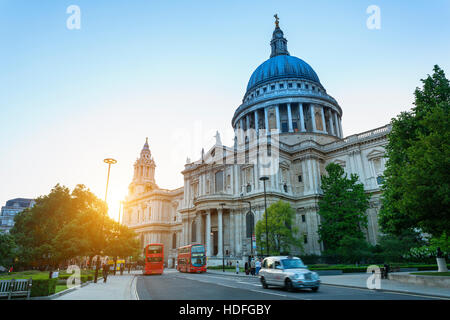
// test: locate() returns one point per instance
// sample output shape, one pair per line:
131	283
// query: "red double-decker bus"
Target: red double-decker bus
154	258
191	258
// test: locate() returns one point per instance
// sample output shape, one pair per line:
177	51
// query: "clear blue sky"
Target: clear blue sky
175	71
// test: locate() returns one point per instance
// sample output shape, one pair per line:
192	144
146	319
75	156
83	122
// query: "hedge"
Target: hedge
43	287
83	277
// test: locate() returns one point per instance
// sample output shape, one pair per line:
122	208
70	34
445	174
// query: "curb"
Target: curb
61	293
390	290
133	288
231	274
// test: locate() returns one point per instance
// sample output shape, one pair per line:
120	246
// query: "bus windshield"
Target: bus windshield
154	249
198	249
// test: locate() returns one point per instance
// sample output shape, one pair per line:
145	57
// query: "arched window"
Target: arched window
249	224
174	241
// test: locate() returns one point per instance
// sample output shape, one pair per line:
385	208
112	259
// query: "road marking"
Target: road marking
275	294
386	291
252	284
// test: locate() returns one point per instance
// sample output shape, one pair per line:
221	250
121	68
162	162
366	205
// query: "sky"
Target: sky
175	72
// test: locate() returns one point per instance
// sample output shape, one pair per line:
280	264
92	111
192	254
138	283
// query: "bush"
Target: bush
43	287
83	277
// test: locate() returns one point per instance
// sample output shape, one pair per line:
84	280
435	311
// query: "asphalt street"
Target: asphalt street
173	285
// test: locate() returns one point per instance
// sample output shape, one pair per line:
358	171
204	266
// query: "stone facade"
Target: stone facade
287	116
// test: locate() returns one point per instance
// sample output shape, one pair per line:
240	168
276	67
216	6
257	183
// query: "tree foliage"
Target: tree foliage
281	230
417	176
342	212
7	249
64	225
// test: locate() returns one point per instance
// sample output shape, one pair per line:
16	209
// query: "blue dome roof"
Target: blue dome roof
281	67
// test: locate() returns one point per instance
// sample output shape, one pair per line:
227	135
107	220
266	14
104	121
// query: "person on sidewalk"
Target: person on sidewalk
105	269
252	267
121	269
257	266
246	268
237	267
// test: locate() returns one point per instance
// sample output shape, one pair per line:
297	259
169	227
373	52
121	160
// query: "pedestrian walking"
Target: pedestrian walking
257	266
247	270
121	269
252	267
237	267
129	267
105	269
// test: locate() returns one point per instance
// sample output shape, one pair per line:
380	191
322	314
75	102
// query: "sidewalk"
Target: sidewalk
116	288
358	280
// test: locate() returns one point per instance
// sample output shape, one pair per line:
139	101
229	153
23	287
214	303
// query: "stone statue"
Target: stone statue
188	160
218	140
203	154
276	20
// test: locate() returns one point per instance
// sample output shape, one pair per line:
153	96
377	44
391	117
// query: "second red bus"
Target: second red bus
191	258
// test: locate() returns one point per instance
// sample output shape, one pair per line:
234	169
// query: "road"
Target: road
173	285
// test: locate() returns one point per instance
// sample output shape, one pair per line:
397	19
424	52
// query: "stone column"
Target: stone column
256	121
310	176
338	134
232	235
313	118
220	232
340	127
266	120
331	123
247	118
242	132
208	233
237	239
289	117
323	120
198	228
277	110
302	120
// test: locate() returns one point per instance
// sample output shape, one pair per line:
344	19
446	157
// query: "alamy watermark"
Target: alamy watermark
74	280
373	22
73	22
374	280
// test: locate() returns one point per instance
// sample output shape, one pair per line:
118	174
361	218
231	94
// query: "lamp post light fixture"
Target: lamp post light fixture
264	179
109	161
223	249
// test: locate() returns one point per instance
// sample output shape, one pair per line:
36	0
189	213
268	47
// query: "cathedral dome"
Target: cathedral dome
282	67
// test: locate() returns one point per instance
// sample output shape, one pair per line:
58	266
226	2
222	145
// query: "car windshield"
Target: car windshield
292	263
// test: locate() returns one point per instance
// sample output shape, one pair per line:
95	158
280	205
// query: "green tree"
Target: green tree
416	192
61	225
394	248
281	230
7	249
122	241
342	211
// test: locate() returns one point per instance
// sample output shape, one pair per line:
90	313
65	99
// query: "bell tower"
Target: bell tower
144	172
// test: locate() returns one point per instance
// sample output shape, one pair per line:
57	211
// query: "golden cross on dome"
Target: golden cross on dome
276	19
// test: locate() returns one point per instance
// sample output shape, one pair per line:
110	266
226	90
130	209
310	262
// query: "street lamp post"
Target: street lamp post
223	249
264	179
109	161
